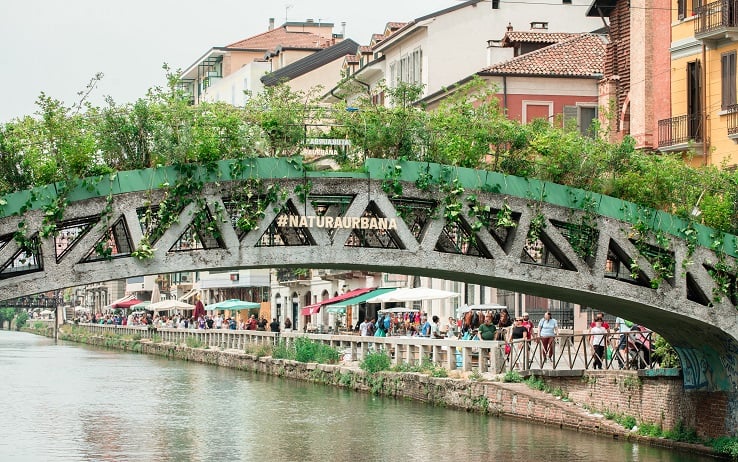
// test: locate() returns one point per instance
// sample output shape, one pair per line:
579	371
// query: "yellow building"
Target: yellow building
704	108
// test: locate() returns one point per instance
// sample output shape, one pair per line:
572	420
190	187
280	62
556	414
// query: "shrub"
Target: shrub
20	320
512	376
682	433
375	362
281	351
309	351
649	429
193	342
726	445
627	421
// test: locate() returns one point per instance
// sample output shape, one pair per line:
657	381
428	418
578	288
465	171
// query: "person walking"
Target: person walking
548	328
597	340
528	326
487	330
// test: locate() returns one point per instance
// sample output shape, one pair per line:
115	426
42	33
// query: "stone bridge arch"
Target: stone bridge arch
423	219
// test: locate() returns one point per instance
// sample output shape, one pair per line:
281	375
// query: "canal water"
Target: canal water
71	402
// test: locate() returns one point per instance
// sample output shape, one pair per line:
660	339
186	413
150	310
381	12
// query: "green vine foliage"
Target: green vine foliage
251	199
144	250
482	213
661	259
303	190
452	192
583	236
470	129
391	183
537	226
425	179
723	273
504	217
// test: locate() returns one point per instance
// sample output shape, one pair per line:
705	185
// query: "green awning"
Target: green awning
340	307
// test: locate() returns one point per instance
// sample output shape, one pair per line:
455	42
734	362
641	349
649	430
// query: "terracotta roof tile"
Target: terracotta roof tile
579	56
352	59
536	37
281	37
365	49
394	25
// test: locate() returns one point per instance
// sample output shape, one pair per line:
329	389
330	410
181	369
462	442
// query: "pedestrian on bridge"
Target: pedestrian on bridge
548	329
597	340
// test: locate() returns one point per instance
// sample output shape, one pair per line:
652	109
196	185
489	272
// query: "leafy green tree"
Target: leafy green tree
282	115
462	128
6	314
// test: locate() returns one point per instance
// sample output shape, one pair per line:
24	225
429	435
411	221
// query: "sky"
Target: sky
57	46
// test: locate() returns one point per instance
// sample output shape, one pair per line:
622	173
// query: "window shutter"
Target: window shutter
570	113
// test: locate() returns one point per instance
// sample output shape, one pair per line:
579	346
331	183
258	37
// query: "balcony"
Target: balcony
680	133
732	115
716	20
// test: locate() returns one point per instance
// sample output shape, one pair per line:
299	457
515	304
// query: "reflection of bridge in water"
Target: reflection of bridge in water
458	224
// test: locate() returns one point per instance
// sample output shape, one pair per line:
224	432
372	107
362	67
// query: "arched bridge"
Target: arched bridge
425	219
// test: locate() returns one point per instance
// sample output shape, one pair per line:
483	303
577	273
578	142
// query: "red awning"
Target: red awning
310	309
127	303
315	307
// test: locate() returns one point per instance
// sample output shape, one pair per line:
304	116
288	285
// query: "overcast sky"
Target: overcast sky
57	46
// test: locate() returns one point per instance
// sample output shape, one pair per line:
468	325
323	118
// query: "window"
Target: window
408	68
728	79
537	110
583	115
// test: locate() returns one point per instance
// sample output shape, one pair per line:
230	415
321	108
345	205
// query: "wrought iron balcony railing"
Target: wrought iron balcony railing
715	18
680	130
732	111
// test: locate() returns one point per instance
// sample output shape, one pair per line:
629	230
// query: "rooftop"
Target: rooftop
578	56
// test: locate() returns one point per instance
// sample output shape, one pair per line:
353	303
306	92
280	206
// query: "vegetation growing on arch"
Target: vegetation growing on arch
468	129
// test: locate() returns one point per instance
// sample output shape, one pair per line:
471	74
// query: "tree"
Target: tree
20	319
6	314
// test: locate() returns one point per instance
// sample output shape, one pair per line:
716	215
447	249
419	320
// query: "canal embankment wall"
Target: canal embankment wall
658	400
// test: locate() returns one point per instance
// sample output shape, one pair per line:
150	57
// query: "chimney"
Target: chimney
509	27
343	29
309	20
271	23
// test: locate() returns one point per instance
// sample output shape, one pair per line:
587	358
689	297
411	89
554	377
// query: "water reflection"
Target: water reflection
73	402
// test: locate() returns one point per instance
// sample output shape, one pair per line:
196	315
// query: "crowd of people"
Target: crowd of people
493	326
179	321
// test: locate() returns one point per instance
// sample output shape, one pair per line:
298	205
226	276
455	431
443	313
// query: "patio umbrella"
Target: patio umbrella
141	306
155	294
467	308
199	309
233	305
169	305
412	295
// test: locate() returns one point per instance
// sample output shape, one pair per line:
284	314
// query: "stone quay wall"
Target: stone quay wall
660	400
515	400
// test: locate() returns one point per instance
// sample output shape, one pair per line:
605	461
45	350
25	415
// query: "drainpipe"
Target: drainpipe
704	104
368	88
504	93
